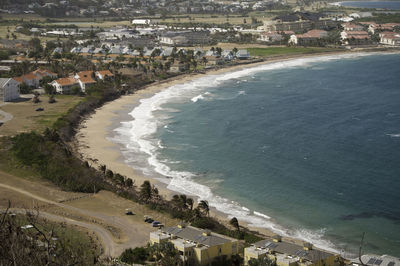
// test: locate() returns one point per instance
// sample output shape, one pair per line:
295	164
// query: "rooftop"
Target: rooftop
292	249
197	236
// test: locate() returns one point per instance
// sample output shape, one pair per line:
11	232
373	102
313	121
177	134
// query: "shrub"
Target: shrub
136	255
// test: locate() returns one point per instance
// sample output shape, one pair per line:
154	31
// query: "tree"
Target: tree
136	255
189	202
264	261
235	223
24	88
103	168
49	89
145	190
52	99
203	205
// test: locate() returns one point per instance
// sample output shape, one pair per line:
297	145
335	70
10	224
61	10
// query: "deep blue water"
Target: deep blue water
314	145
391	5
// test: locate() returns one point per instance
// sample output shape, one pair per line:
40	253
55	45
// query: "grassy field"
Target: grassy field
27	119
272	51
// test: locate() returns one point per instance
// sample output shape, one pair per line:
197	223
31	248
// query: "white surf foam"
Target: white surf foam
196	98
394	135
138	135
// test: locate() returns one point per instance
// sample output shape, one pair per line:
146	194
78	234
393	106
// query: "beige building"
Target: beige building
196	245
288	254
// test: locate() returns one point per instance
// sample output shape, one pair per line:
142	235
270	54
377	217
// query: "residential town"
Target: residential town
61	60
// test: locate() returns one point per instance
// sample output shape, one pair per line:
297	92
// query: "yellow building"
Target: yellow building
196	245
288	254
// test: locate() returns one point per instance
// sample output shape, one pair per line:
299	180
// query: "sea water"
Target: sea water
390	5
308	148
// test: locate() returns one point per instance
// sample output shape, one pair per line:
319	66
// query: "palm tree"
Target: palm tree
203	204
189	202
235	223
103	168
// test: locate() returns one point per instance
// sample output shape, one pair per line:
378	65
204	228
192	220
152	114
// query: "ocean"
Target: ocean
308	148
390	5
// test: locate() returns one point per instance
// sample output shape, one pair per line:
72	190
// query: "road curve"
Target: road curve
102	233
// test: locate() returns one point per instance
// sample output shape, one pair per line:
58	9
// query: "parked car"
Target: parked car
155	224
128	212
148	219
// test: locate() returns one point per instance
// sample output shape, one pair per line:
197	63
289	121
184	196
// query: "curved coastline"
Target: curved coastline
95	135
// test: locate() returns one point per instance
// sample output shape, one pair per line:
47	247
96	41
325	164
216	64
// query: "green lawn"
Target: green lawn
271	51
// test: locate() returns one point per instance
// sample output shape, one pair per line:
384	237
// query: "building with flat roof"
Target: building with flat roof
195	244
287	253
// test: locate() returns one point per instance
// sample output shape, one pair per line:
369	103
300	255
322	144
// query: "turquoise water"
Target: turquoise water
309	148
391	5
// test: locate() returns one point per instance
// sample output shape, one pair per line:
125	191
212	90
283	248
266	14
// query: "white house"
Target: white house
9	89
243	54
64	85
141	22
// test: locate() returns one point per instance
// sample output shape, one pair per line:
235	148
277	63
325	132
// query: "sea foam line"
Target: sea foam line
138	135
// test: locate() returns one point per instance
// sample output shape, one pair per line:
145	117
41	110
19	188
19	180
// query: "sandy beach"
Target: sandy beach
92	138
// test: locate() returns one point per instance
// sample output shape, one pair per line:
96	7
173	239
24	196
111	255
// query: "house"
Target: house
9	89
85	79
64	85
243	54
271	36
307	37
178	67
141	22
33	78
227	55
287	253
371	259
352	37
102	74
352	27
195	244
389	38
214	60
373	27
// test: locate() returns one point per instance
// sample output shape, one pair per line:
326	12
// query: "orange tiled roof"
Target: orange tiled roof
43	72
86	77
312	34
66	81
105	73
357	32
19	79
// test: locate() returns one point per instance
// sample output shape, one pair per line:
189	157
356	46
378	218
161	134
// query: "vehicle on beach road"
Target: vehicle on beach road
128	212
148	219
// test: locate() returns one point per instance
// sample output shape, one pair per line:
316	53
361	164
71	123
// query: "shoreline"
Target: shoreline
98	149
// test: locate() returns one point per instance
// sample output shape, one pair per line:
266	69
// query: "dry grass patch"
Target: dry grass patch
27	119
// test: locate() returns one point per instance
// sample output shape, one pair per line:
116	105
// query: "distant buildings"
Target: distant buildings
185	38
9	90
299	22
390	38
308	37
199	246
286	253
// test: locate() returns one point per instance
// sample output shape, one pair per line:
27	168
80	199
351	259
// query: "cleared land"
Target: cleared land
27	119
103	213
272	51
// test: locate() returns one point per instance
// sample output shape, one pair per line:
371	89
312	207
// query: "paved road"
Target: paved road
133	234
